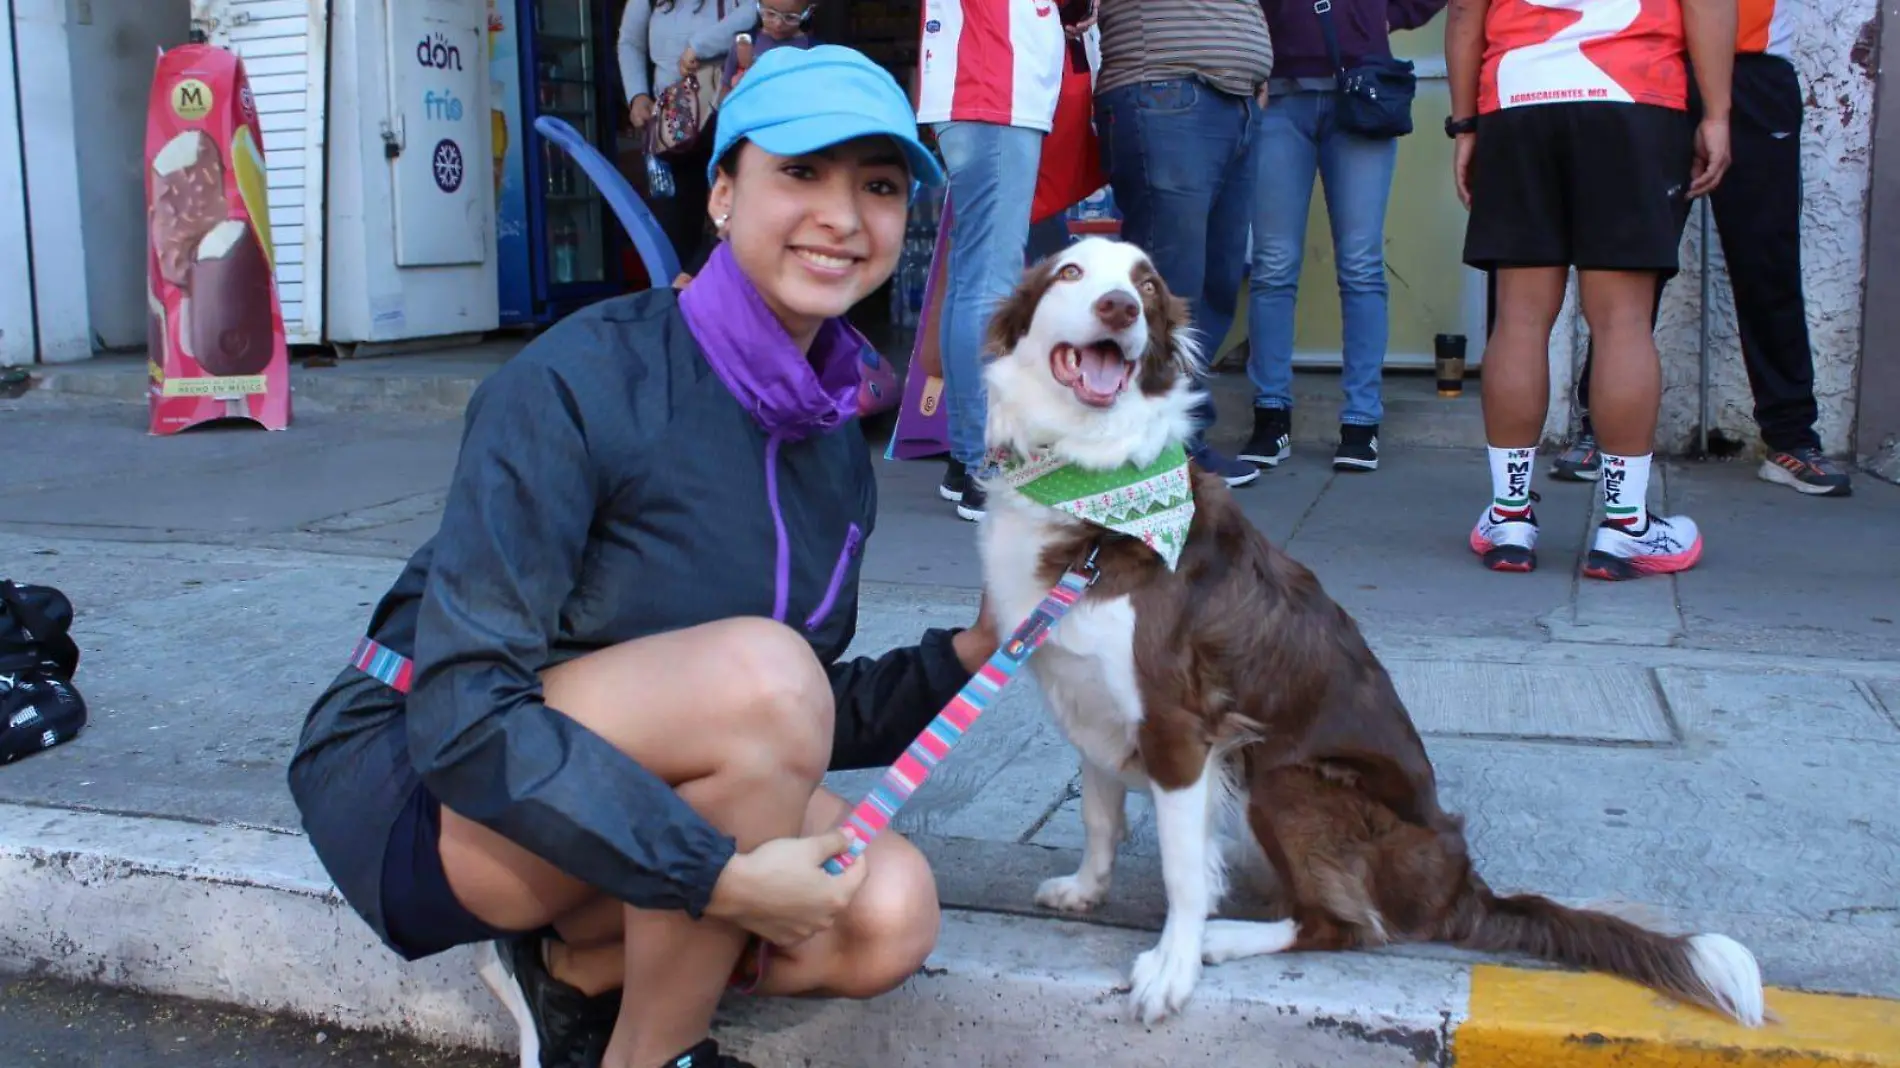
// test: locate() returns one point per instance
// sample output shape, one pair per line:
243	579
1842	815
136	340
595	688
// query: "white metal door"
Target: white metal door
285	48
438	75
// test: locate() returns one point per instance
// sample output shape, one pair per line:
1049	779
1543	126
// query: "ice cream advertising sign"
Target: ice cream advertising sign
216	327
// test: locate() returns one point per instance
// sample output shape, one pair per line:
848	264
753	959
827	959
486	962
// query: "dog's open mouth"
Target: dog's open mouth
1096	373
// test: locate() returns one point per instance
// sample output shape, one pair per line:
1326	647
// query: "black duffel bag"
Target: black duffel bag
39	708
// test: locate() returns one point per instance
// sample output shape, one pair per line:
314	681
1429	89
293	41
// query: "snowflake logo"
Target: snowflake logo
447	165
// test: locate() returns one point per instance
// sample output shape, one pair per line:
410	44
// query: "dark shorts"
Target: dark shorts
420	913
1595	186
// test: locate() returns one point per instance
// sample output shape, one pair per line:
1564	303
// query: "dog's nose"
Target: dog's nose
1117	310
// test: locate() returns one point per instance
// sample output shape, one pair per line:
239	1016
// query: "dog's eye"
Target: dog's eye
1150	287
1070	272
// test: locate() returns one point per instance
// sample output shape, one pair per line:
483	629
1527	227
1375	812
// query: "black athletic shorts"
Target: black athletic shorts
1595	186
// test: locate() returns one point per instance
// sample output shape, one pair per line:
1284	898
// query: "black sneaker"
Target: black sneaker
955	481
974	503
706	1055
1272	439
1807	470
1358	449
560	1027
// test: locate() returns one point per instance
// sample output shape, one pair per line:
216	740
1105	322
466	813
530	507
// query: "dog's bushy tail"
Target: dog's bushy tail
1710	970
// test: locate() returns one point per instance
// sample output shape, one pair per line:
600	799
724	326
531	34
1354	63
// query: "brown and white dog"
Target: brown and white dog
1235	690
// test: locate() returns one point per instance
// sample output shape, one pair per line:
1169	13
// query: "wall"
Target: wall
114	47
17	341
1835	46
54	217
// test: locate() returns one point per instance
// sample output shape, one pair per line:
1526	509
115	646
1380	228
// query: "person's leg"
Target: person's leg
1356	174
1285	158
1519	231
1758	213
1581	461
1628	211
1168	146
992	172
737	716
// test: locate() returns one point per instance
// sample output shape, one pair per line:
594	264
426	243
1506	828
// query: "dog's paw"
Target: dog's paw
1071	893
1162	982
1226	940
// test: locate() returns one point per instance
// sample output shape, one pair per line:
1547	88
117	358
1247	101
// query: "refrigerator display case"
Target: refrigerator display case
573	247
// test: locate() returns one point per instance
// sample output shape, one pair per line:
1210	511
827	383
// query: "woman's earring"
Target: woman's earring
719	224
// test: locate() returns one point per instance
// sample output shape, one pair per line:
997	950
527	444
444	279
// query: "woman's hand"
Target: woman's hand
781	891
976	644
640	112
689	63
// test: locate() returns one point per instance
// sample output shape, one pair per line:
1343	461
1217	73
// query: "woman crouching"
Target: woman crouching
590	719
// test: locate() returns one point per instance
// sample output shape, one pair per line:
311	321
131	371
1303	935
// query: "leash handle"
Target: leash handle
874	813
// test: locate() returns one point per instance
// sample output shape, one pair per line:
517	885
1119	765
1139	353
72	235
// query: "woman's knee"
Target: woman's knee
892	925
787	705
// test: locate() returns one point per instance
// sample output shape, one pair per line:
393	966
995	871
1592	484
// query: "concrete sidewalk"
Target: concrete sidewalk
1717	750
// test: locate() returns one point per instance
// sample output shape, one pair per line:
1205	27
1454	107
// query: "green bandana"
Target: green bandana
1154	503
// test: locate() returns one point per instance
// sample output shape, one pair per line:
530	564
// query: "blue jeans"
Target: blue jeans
992	172
1294	138
1176	153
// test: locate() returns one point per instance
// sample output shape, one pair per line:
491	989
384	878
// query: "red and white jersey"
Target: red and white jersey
1766	26
1562	51
997	61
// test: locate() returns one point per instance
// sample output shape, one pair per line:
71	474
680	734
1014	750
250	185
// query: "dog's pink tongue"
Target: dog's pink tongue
1101	371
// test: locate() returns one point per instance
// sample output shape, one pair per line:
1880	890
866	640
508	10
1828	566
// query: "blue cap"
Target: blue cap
794	101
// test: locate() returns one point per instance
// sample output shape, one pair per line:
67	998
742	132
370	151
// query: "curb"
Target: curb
428	384
245	917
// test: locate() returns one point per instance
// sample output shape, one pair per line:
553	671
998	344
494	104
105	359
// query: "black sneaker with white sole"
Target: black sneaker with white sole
958	486
559	1027
1272	439
1358	448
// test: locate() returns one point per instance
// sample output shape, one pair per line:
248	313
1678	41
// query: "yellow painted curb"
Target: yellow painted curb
1549	1019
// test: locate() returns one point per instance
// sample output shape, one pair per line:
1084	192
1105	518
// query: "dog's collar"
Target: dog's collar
1153	502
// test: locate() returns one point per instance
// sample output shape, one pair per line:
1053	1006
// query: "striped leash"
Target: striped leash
903	778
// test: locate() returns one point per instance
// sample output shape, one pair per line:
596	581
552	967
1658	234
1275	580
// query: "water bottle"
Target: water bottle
659	177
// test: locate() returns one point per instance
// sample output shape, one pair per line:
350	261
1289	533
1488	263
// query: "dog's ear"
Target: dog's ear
1012	319
1174	347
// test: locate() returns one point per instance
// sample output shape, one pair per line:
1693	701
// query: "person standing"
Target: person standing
1297	137
1176	97
1575	149
1757	212
660	42
989	73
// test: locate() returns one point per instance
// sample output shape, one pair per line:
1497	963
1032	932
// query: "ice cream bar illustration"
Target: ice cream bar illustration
187	200
230	320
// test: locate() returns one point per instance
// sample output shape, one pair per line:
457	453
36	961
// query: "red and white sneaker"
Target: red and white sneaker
1670	544
1506	542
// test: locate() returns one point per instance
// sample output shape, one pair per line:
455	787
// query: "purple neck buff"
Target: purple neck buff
788	394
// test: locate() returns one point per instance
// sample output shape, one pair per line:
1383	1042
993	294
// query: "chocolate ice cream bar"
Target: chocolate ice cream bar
187	200
231	320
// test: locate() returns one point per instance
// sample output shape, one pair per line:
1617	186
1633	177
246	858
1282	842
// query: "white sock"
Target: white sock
1511	482
1625	482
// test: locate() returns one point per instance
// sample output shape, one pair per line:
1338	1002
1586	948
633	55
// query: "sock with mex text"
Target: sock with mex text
1511	483
1625	484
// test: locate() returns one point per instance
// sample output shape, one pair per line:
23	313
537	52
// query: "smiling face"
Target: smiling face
815	233
781	18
